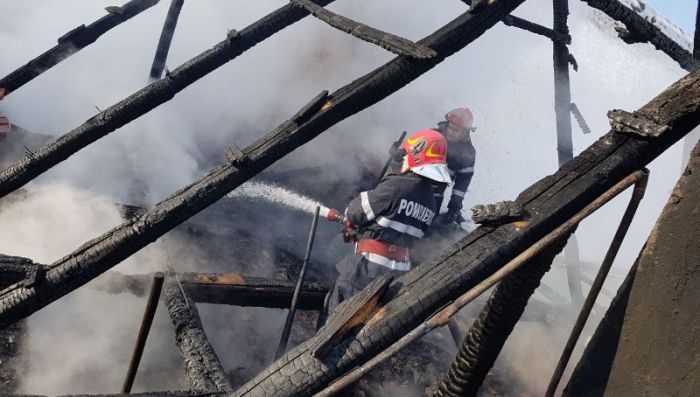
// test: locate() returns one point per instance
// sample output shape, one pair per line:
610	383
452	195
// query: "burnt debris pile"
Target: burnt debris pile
380	340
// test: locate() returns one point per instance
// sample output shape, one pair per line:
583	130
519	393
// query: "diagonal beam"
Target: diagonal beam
222	288
397	45
410	299
100	254
524	24
641	30
72	42
203	370
148	98
166	37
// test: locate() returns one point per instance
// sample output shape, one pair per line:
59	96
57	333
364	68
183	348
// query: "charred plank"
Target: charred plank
397	45
639	29
223	288
203	370
517	22
72	42
166	37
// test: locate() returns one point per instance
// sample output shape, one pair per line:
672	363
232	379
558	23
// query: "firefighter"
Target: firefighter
456	127
386	221
461	155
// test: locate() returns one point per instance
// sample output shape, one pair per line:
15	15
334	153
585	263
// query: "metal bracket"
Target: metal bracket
634	123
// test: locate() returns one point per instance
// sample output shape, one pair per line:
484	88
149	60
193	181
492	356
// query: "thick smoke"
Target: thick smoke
82	342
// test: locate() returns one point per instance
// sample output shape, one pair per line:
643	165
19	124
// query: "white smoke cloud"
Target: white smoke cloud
505	76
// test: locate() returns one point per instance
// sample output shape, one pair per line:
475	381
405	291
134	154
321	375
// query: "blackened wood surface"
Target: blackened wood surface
148	98
72	42
166	37
489	332
203	370
659	349
640	27
101	253
590	375
223	288
397	45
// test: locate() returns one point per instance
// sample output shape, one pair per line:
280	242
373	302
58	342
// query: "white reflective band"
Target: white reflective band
466	170
437	194
400	227
459	193
386	262
364	198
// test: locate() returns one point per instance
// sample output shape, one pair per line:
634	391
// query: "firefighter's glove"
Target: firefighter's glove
349	233
397	153
455	204
451	216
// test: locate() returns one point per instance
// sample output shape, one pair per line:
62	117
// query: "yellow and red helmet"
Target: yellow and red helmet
427	155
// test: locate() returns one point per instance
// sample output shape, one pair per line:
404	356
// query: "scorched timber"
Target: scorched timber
166	37
101	253
223	288
388	41
641	30
203	369
72	42
551	201
517	22
149	97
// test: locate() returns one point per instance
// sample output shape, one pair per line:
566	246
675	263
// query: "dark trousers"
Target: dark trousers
355	272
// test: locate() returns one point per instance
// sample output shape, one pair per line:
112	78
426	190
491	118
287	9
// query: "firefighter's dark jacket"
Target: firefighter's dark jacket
461	156
398	211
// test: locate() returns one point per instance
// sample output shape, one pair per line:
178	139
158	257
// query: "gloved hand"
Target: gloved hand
397	153
349	233
450	217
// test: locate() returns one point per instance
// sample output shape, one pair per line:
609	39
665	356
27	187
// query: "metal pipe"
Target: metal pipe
637	195
148	314
394	146
295	297
443	316
166	37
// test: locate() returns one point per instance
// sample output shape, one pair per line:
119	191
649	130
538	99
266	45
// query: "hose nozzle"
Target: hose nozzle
332	214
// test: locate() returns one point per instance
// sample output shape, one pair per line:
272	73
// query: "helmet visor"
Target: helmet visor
436	172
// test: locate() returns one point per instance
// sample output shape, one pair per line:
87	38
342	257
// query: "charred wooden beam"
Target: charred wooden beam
72	42
223	288
517	22
397	45
410	299
590	375
491	329
14	269
101	253
562	85
166	37
696	41
639	29
148	394
203	370
149	97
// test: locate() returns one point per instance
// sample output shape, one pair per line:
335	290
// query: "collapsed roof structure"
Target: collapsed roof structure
388	310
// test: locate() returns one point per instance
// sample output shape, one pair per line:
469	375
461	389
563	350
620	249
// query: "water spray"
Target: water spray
281	195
